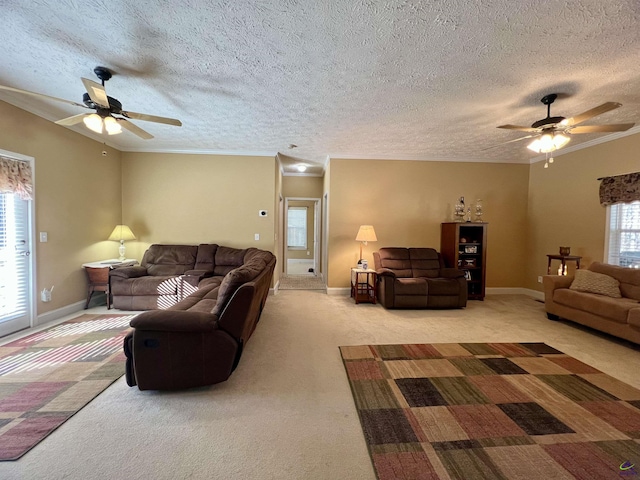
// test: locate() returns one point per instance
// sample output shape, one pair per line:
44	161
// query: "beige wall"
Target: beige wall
78	200
564	206
302	187
406	201
190	199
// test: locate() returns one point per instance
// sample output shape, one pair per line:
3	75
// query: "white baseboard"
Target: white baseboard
338	291
489	291
59	313
515	291
274	290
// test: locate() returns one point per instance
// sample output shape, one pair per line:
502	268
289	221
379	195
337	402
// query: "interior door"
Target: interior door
15	264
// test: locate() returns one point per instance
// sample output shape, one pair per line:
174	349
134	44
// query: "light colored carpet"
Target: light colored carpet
287	411
301	282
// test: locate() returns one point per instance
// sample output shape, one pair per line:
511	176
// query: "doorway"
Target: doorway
16	261
301	236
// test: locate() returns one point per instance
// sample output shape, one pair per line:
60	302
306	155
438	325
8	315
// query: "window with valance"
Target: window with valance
621	196
620	189
16	178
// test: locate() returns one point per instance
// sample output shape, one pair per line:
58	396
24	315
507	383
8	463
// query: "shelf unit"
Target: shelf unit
464	246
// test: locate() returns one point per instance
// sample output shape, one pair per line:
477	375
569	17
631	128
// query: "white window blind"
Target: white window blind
13	263
624	235
297	227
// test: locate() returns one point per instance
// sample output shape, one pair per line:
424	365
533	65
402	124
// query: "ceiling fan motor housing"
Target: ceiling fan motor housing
114	104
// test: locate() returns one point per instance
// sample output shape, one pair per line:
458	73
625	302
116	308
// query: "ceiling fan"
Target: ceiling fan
552	133
105	108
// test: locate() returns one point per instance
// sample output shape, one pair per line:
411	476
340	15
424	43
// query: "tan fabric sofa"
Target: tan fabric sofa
616	316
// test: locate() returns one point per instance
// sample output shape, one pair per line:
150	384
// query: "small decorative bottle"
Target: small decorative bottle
459	210
478	214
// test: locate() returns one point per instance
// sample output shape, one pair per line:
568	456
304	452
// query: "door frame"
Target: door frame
316	232
31	229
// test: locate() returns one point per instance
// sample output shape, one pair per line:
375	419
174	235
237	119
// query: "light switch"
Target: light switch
256	236
43	237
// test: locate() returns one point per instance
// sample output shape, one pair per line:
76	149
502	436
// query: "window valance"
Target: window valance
15	177
620	189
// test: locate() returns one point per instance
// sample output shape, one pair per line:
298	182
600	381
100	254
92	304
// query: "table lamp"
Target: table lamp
365	234
120	234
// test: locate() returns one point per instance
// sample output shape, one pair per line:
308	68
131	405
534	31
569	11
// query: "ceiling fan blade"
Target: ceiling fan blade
136	130
27	92
620	127
510	141
605	107
519	128
152	118
71	120
96	93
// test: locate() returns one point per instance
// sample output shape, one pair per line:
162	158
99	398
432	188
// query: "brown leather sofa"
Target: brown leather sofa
199	340
417	278
616	316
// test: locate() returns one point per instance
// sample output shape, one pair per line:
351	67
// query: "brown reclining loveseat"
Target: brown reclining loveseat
199	340
417	278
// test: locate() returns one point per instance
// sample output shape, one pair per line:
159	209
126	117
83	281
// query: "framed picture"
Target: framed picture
471	249
470	262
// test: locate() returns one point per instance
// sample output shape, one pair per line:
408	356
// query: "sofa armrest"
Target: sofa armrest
175	321
128	272
385	272
551	283
451	273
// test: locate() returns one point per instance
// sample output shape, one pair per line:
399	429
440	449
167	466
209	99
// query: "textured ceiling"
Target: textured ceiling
397	79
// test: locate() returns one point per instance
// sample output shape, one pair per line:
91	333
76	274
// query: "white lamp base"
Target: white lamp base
121	251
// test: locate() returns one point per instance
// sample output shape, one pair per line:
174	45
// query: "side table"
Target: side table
363	285
98	277
563	262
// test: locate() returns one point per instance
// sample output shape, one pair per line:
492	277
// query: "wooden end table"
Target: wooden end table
563	261
98	277
363	285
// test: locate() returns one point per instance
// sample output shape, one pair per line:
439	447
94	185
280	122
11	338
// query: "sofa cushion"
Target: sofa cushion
410	286
169	259
425	262
629	278
227	259
615	309
396	260
149	285
235	279
592	282
443	286
205	259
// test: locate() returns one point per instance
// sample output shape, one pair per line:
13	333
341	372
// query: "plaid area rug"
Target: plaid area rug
492	411
46	377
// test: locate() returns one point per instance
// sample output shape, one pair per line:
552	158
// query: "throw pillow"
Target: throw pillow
592	282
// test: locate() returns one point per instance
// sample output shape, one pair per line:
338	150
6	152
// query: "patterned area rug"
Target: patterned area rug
492	411
48	376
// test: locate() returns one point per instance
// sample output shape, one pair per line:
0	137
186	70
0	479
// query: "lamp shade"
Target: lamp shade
121	233
366	234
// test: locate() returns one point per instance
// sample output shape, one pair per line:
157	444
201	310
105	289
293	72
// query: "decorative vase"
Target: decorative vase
478	213
564	251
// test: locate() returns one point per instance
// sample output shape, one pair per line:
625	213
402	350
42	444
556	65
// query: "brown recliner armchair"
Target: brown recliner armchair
417	278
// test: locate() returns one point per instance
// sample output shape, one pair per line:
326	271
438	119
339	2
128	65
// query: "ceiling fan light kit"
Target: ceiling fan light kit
548	142
552	133
105	107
